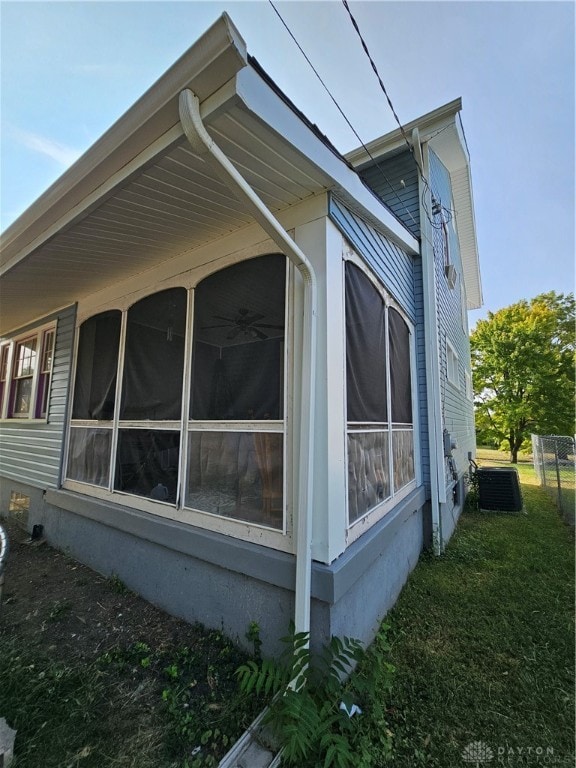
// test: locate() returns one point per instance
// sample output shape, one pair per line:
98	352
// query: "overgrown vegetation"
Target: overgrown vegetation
311	717
134	707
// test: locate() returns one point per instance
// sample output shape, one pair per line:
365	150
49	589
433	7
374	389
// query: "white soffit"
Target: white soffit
140	196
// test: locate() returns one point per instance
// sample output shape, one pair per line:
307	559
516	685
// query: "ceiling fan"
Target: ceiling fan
244	323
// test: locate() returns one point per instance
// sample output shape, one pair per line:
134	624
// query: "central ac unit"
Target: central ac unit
499	489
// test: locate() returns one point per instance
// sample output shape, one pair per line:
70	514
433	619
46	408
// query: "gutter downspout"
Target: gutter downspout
203	145
431	351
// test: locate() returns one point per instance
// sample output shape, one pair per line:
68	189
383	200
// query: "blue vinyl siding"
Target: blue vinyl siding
395	181
458	409
388	261
401	274
32	451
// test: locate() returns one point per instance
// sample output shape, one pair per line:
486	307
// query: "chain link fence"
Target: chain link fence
554	462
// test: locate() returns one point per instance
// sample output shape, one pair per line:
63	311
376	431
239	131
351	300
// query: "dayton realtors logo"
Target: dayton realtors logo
479	754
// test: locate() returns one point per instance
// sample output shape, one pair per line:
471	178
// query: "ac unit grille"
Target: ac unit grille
499	489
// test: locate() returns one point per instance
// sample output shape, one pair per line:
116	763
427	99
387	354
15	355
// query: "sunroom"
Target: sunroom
243	432
182	399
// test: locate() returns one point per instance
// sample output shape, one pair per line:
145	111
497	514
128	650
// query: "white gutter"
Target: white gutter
430	348
203	145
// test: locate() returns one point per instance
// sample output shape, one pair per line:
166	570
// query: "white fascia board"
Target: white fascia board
450	146
270	109
427	125
205	67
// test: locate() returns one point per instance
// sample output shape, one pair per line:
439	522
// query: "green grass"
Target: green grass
482	640
134	707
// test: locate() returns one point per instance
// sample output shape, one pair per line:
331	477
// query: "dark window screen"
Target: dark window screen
154	357
147	463
89	455
238	353
365	349
95	385
401	395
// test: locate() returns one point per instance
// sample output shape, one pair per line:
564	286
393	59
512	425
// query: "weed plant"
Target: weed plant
313	717
132	707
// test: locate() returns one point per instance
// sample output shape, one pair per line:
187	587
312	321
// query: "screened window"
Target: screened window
238	376
378	396
96	367
154	357
238	354
128	434
90	447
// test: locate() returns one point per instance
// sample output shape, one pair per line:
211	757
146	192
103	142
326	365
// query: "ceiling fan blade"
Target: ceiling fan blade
228	319
258	333
250	319
267	325
208	327
233	333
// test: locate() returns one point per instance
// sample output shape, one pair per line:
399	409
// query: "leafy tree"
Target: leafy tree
523	370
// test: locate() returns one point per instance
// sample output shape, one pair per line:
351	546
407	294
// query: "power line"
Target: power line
425	181
339	108
382	86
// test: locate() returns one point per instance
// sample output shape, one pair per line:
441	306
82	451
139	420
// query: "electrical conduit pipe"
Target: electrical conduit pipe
430	348
204	146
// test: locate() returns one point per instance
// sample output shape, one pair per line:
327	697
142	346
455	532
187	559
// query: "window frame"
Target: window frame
359	526
278	538
469	386
452	365
40	377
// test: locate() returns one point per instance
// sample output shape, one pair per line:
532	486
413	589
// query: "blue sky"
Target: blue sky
70	69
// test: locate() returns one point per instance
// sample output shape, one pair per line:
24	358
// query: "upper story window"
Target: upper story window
25	374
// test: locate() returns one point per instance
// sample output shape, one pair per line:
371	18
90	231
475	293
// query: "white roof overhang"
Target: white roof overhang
442	130
140	196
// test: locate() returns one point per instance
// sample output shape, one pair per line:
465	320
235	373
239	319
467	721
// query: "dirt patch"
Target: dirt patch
94	676
53	601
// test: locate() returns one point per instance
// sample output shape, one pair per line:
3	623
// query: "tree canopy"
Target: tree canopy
523	371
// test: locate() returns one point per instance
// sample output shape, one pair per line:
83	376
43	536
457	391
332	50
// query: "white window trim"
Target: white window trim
280	539
39	334
368	519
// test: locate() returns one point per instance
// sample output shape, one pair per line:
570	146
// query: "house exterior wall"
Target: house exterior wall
223	581
401	274
395	181
392	265
456	397
31	450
